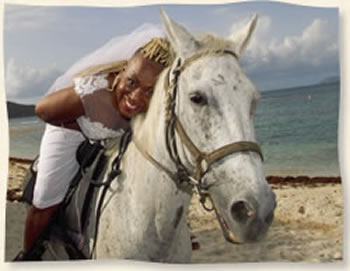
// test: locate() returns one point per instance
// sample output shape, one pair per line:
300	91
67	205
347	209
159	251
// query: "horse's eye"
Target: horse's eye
198	98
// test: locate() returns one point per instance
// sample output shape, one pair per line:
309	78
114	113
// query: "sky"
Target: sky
291	46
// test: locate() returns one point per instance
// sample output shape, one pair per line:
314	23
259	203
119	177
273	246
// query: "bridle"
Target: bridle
203	160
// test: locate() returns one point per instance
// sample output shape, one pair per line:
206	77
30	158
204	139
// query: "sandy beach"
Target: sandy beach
308	224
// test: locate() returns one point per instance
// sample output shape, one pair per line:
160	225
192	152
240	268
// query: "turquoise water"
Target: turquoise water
25	137
297	130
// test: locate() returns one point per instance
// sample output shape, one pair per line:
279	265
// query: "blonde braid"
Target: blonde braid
157	50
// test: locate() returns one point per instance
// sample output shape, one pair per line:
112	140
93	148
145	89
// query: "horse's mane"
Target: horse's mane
147	121
213	43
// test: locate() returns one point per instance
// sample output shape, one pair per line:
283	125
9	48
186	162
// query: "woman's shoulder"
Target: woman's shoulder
88	84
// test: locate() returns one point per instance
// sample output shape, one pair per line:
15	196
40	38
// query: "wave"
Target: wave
29	122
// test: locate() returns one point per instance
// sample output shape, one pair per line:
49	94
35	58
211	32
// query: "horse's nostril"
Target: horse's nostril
241	212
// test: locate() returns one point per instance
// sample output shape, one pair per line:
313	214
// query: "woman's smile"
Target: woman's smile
129	104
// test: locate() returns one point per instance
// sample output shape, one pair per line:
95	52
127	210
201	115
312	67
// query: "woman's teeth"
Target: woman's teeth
131	106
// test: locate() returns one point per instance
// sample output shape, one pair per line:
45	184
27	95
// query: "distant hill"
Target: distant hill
20	110
330	80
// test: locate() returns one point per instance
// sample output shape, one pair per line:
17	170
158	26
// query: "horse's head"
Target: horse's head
214	106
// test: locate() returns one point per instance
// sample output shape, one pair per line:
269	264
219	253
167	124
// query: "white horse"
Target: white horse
199	126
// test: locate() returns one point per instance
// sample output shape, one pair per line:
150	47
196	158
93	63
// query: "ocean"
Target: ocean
25	136
297	129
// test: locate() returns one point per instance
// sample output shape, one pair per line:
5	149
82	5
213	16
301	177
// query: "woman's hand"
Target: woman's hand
60	107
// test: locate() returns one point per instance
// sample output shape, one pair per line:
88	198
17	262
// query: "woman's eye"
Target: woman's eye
149	92
199	99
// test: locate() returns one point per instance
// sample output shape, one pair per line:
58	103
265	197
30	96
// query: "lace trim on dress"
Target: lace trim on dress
96	130
88	84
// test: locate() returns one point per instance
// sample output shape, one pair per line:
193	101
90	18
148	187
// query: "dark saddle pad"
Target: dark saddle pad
70	222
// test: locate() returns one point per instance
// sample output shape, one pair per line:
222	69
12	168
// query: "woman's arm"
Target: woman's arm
61	108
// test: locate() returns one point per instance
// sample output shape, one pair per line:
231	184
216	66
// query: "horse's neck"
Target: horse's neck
144	198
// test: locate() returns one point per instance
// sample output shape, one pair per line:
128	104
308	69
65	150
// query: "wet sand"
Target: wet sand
308	224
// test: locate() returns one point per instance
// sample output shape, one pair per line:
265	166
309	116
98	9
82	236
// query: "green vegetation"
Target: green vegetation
15	110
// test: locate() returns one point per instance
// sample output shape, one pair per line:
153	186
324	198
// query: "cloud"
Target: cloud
263	26
220	11
313	50
25	84
24	18
260	34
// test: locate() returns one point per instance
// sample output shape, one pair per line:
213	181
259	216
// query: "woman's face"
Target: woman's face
135	87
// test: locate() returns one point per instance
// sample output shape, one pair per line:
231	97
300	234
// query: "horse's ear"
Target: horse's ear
182	41
242	38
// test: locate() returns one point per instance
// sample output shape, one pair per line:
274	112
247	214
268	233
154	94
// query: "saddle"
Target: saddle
76	213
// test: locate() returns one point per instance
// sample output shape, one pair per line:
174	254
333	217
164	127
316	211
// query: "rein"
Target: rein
115	171
203	160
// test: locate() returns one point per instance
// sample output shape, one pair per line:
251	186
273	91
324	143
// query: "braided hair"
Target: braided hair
157	50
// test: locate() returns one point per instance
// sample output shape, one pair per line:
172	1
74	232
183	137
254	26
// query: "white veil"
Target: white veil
118	48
